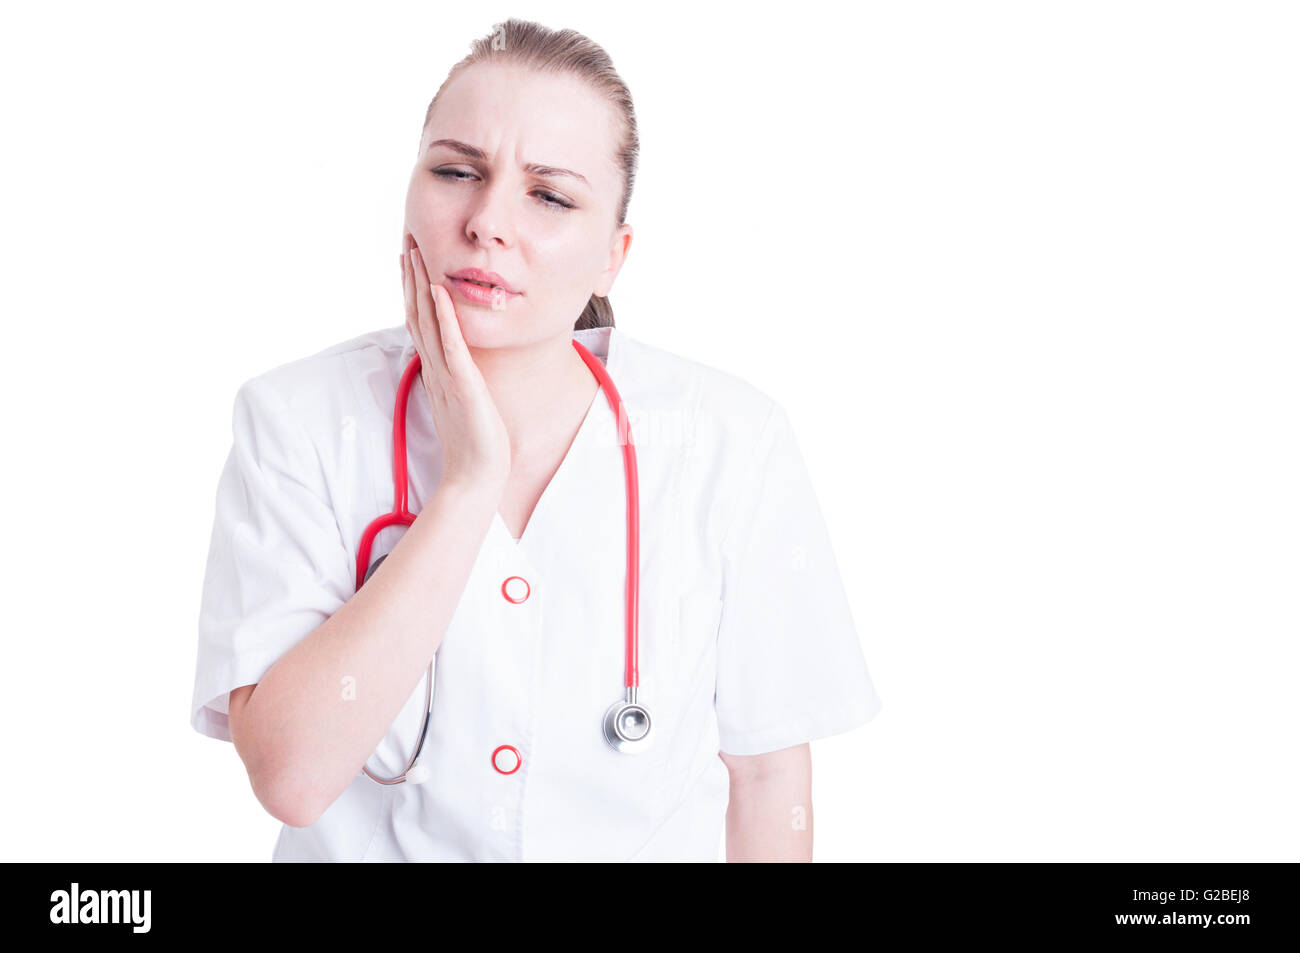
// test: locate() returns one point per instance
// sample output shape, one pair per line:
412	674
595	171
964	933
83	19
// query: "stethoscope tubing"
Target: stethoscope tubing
631	677
401	515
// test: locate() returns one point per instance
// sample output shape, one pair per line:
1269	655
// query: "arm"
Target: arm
301	741
769	815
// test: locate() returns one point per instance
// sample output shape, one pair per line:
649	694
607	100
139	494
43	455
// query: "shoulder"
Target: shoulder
718	399
716	394
322	384
717	426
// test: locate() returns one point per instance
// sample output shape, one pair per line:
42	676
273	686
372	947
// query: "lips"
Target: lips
488	279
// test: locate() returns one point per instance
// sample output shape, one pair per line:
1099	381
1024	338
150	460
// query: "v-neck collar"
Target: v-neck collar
603	343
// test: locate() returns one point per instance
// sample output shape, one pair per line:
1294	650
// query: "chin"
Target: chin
483	327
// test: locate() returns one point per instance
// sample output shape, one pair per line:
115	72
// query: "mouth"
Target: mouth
483	279
478	293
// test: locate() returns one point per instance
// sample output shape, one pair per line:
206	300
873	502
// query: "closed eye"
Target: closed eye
549	199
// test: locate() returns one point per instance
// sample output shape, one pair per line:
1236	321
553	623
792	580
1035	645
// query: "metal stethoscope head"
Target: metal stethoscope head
626	724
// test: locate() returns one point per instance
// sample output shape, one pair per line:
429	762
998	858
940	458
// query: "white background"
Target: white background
1023	274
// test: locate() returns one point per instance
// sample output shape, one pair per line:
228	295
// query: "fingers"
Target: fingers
452	352
424	302
408	286
412	312
423	324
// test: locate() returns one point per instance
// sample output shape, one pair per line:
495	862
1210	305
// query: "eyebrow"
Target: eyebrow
534	168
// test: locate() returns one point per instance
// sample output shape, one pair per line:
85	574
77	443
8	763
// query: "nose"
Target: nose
491	218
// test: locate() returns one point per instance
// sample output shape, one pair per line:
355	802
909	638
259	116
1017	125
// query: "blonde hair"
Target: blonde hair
531	45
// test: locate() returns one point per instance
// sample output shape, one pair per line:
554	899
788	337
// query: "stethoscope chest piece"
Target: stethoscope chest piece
627	726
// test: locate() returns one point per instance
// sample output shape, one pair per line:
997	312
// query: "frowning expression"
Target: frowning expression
517	177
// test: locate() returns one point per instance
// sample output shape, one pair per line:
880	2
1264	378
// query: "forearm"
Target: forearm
769	814
303	737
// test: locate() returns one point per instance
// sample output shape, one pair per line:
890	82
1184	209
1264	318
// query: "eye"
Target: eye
549	199
555	200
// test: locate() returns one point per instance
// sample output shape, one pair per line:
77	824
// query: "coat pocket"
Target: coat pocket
695	644
699	613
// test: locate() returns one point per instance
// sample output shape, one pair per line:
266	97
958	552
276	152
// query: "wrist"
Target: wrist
470	491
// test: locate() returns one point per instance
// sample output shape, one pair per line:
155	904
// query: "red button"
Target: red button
515	589
511	757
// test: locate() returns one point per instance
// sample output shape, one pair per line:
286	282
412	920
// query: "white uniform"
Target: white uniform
746	641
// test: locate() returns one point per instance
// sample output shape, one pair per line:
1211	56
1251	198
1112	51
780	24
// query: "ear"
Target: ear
619	247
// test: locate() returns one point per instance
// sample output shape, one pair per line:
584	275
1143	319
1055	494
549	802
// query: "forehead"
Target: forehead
526	116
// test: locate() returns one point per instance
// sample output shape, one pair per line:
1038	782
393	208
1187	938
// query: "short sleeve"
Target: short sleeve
277	567
790	665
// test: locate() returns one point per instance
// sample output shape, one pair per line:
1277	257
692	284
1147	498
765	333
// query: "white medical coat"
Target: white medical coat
746	640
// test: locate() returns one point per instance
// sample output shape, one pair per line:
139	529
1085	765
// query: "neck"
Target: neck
541	391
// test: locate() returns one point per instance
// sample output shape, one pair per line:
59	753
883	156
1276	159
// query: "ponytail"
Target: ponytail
598	313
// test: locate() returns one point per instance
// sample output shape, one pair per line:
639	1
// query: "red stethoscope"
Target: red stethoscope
626	723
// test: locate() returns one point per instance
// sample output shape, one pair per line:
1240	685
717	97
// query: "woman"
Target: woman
513	572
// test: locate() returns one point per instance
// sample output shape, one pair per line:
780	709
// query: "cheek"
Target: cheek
425	216
569	260
428	214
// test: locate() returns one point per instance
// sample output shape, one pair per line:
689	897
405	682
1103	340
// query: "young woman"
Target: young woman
573	642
